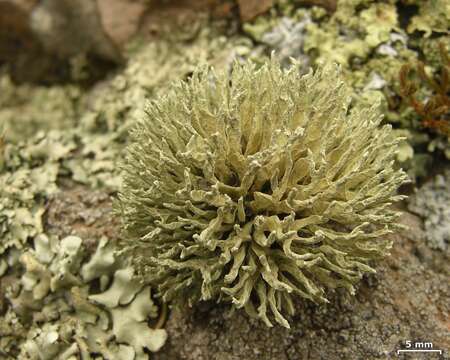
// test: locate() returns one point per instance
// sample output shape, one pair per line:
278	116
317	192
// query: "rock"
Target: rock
249	9
14	18
86	213
40	39
15	34
68	28
121	18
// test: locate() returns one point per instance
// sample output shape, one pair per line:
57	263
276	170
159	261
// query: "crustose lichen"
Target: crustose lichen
256	187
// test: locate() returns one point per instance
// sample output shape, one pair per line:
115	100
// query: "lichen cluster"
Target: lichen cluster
257	187
65	305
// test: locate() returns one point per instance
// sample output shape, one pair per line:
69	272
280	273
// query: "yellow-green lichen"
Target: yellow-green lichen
26	109
433	16
257	187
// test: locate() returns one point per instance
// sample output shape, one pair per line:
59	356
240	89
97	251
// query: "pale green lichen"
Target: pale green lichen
67	315
30	170
256	187
351	34
433	16
26	109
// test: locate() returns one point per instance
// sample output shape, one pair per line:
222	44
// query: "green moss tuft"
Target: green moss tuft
257	187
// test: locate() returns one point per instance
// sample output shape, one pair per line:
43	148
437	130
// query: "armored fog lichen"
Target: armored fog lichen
256	187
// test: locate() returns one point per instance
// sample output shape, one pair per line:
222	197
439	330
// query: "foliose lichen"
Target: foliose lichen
433	16
256	187
287	39
65	305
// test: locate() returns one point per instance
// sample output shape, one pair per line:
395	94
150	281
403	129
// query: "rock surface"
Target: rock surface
249	9
87	214
67	28
121	18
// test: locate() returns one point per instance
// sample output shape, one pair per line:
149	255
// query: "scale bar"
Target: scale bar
419	351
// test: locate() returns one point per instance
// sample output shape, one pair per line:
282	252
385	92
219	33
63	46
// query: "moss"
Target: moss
258	187
428	95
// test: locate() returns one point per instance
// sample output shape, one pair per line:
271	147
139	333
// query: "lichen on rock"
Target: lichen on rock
287	39
66	304
256	187
432	202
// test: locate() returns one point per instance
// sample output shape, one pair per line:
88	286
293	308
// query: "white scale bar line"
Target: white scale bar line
405	350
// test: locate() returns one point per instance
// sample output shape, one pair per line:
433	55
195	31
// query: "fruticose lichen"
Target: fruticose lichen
256	187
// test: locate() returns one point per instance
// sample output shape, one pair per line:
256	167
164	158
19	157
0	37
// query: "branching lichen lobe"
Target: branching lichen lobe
256	187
